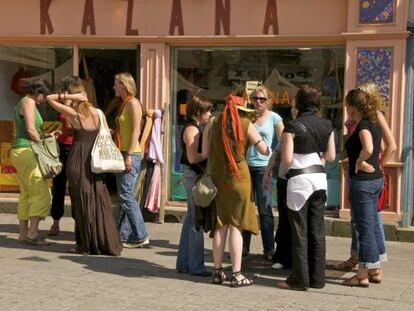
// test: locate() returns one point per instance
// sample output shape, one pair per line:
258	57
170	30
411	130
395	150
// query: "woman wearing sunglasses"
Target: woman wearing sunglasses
268	124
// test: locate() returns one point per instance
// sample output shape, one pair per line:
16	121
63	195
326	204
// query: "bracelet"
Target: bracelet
258	142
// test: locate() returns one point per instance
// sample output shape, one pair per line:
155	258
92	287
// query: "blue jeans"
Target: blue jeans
381	244
265	213
131	225
363	196
190	256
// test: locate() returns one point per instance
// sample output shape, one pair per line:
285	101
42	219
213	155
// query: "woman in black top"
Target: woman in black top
190	258
307	142
365	182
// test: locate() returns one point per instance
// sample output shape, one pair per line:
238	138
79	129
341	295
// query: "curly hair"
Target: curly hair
364	103
371	89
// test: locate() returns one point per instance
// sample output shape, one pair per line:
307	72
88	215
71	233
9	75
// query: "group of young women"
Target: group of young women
240	166
238	151
96	230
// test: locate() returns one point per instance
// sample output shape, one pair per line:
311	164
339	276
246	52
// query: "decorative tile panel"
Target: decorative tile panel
374	64
376	11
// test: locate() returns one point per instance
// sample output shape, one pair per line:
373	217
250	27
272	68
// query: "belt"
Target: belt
307	170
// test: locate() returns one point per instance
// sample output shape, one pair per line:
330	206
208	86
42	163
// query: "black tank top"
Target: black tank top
198	168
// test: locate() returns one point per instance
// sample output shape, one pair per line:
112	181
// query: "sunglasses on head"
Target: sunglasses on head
260	99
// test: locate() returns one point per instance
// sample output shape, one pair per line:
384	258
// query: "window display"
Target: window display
215	72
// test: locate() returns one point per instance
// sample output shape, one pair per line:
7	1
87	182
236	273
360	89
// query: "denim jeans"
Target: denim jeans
130	223
190	256
381	244
265	213
363	196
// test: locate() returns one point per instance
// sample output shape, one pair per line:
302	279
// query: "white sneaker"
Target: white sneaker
136	244
277	266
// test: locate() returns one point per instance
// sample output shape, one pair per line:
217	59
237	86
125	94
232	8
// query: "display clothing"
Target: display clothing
190	256
234	201
90	199
364	190
306	198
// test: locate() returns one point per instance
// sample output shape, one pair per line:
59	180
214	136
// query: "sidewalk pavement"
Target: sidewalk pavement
49	278
333	226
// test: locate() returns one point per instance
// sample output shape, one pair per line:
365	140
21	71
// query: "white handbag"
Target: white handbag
106	157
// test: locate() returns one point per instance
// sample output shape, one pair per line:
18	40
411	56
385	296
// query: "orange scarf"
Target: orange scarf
117	129
230	117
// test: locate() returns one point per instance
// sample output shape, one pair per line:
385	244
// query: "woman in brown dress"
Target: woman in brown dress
231	135
90	198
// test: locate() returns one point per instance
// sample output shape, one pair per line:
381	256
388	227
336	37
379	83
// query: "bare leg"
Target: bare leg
23	227
235	247
219	243
33	227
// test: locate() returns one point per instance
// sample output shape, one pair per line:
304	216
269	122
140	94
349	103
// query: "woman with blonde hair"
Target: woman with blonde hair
34	198
231	135
269	125
131	225
89	196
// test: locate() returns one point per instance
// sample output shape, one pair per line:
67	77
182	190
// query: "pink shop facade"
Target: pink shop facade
175	48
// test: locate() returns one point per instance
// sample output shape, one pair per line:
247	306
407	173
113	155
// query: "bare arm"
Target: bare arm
279	130
69	112
256	140
287	148
386	134
330	153
28	110
191	137
366	151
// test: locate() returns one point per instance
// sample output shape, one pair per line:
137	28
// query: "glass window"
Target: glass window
18	65
215	72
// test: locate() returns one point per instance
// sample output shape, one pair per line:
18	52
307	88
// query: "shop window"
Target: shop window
18	65
215	72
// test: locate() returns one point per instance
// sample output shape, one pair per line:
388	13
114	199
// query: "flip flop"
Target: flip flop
38	241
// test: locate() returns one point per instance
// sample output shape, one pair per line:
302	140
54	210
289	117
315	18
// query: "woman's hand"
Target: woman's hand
55	133
266	180
364	167
128	163
344	163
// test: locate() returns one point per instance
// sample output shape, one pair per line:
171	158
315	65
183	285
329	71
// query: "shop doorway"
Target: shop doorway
97	67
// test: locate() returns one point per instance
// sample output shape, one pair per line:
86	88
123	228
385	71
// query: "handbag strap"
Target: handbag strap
309	135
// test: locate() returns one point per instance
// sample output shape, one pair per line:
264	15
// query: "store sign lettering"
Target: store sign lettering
222	18
282	98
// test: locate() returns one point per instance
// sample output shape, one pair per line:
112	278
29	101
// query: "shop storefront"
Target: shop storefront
176	48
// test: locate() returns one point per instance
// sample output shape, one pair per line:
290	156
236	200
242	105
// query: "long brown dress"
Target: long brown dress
234	201
90	199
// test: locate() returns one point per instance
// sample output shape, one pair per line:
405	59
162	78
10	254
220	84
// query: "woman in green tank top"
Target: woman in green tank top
34	199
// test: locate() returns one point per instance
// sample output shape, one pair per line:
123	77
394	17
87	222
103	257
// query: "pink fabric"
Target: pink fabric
152	202
155	148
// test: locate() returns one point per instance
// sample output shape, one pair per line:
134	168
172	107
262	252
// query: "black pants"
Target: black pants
59	185
309	246
283	236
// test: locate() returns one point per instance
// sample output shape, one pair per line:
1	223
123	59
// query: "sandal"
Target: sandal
375	276
245	281
355	281
219	276
54	230
346	265
38	241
